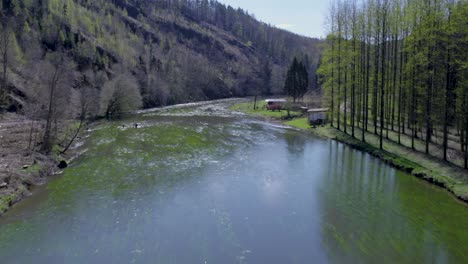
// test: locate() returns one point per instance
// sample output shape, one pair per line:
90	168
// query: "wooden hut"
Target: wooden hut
317	116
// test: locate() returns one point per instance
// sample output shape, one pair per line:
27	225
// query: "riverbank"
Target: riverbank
430	169
22	167
202	178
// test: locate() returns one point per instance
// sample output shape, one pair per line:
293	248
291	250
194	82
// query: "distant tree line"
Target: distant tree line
400	68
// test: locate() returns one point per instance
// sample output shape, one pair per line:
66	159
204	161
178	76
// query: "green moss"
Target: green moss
35	168
159	150
5	202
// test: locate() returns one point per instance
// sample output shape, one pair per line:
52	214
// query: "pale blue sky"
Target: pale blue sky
305	17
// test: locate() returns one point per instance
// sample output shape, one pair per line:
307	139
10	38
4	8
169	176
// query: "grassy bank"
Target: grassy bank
22	165
25	172
261	110
430	169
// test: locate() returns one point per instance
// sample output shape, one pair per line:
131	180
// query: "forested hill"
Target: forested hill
128	53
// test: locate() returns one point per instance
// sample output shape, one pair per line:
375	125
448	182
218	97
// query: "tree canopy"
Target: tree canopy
399	67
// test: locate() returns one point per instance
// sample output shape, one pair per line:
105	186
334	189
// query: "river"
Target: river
202	184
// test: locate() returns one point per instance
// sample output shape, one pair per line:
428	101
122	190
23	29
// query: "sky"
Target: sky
304	17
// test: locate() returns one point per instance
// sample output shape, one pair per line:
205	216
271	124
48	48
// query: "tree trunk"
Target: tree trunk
367	83
400	97
333	86
339	80
465	115
413	105
5	47
353	89
376	78
466	135
47	144
448	97
364	90
395	71
382	81
404	101
31	134
346	99
77	132
429	84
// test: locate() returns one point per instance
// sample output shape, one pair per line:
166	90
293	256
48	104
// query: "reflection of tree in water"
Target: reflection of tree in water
369	210
295	141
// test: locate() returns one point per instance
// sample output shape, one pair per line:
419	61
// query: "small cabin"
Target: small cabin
317	116
275	104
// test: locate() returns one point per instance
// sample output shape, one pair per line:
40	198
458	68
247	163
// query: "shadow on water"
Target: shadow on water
201	184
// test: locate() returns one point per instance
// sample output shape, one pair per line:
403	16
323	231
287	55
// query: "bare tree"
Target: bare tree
88	103
56	72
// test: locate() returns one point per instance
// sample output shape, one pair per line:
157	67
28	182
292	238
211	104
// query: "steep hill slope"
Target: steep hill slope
167	51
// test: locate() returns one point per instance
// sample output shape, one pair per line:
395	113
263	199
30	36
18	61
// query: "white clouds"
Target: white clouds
285	26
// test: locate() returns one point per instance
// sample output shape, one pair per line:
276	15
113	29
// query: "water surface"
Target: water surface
201	184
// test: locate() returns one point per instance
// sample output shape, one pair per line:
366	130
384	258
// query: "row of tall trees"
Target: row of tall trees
399	69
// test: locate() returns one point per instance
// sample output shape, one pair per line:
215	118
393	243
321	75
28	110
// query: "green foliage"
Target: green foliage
297	80
237	56
120	95
398	66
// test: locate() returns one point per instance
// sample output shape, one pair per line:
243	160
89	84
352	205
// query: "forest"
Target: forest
81	59
399	70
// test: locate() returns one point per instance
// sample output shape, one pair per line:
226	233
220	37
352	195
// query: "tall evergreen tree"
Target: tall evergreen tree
297	80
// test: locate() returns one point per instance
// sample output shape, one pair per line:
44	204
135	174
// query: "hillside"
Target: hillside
155	52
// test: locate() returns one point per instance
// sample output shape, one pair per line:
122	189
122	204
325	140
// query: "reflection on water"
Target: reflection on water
205	185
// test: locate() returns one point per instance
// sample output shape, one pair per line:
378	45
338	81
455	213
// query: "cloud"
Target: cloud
285	26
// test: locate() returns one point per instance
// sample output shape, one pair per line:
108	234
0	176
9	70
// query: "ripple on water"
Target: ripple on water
236	189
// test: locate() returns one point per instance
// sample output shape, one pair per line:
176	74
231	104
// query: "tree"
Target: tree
87	100
9	55
297	80
266	75
407	59
56	72
120	95
383	61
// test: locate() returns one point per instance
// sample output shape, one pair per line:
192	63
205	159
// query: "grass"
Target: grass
7	200
261	110
301	123
428	168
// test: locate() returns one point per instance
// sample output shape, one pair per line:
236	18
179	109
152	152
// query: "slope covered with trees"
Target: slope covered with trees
60	55
399	69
